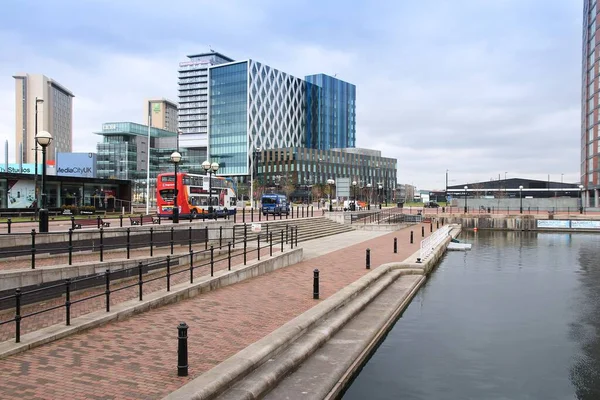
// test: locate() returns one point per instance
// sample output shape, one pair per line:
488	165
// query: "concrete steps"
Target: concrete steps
308	229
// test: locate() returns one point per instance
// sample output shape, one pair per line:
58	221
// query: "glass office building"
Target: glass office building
331	122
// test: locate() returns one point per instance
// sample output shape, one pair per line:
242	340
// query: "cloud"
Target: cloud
479	88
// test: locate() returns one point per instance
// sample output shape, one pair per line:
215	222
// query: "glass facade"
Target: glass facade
331	122
228	139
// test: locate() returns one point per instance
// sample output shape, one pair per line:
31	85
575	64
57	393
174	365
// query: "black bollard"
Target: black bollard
182	350
437	224
9	222
422	231
411	237
316	284
395	245
431	227
368	259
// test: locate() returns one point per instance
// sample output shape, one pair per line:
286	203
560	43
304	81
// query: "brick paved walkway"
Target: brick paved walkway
136	358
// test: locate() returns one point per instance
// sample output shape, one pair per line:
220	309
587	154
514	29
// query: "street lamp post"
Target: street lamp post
466	197
353	205
43	138
581	196
369	196
175	159
330	182
35	187
379	192
210	169
521	199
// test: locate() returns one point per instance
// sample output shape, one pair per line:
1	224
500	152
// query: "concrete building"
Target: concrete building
162	114
589	104
193	98
54	104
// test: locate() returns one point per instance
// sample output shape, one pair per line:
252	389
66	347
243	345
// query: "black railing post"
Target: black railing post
128	241
316	284
411	237
267	238
98	222
260	218
151	241
245	244
220	237
140	281
191	266
212	260
282	240
18	315
233	235
431	226
141	219
302	212
280	215
168	273
101	244
287	229
33	249
190	239
244	214
229	256
312	211
68	300
395	245
368	259
172	239
422	231
292	238
9	223
258	243
271	244
296	236
120	221
72	222
107	288
251	214
437	224
182	349
70	246
206	237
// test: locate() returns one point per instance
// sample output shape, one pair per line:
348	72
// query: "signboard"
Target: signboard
156	107
82	165
21	193
576	224
553	223
109	127
16	168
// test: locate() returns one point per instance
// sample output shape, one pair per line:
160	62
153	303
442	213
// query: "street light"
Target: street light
466	197
521	199
379	187
210	169
353	206
330	182
43	138
369	196
35	187
175	159
581	195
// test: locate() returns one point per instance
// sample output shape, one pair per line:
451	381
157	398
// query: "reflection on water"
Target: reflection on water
518	317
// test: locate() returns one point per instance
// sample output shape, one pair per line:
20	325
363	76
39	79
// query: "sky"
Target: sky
479	88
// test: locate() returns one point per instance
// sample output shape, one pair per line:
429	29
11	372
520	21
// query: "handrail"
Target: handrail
429	244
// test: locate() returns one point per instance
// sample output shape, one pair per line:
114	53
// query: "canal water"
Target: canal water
518	317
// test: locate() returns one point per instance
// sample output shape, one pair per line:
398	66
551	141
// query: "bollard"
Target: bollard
312	211
107	288
422	231
251	214
191	266
431	227
98	221
168	273
172	239
70	246
120	221
316	284
411	237
220	237
395	245
9	223
68	300
437	224
368	259
72	222
33	249
212	260
101	244
206	237
151	241
182	349
128	241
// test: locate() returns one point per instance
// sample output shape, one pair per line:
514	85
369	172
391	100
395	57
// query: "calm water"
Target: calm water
518	317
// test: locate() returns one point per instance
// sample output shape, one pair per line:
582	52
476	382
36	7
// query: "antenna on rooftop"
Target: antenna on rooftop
210	48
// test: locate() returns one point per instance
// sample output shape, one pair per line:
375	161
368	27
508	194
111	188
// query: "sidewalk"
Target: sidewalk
137	358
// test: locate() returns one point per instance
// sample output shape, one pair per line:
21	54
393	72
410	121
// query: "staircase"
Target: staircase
308	229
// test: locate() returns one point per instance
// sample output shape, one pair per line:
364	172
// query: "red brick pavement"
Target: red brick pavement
136	358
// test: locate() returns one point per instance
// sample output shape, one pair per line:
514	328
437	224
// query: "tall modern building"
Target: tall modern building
193	98
253	107
54	104
332	113
161	114
589	104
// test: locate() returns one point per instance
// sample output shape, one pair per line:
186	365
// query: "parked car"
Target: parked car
431	204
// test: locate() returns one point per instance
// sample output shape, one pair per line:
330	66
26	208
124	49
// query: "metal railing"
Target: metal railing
429	244
135	277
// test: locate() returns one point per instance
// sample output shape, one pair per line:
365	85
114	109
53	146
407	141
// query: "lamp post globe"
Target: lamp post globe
520	199
43	138
466	197
175	159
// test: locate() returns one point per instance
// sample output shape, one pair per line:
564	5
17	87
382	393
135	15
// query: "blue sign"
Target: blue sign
552	223
16	168
576	224
82	165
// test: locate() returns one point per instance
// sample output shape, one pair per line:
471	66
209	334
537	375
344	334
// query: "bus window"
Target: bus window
168	178
167	194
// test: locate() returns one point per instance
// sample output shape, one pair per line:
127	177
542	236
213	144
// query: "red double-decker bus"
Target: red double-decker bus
193	197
